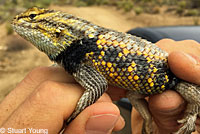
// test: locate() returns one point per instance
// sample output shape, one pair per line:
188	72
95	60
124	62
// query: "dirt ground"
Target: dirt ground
18	57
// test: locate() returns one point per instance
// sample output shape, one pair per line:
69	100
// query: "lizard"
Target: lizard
96	56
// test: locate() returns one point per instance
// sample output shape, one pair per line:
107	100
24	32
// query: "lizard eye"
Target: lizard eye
32	16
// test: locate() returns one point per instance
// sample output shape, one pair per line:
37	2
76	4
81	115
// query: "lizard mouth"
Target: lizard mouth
21	23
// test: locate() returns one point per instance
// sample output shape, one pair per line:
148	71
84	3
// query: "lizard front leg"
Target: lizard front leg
93	82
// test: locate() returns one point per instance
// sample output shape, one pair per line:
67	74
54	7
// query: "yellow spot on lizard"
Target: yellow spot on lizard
149	80
109	64
130	77
130	69
102	53
136	77
155	69
91	35
126	51
103	63
151	84
100	46
101	36
120	54
98	42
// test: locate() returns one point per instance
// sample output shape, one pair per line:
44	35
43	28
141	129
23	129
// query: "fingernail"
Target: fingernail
101	124
192	59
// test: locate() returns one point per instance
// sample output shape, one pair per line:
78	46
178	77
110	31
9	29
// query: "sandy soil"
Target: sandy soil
18	57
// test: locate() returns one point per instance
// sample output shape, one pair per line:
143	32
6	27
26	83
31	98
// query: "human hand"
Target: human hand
47	96
183	66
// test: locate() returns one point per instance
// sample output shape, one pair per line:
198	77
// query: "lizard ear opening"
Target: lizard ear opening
57	34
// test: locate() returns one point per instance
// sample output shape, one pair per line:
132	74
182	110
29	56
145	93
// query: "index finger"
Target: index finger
185	63
28	85
185	66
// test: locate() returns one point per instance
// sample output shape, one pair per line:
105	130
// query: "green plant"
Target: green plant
80	4
138	10
102	2
192	12
196	21
63	2
126	5
9	29
90	2
180	11
194	4
182	4
87	2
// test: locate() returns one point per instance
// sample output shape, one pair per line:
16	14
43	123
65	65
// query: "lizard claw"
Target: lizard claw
188	124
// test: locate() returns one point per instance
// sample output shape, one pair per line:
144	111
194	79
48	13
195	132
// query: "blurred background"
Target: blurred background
18	57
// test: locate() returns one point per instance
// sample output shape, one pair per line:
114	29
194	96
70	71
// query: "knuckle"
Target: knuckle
37	70
191	42
165	40
49	87
46	93
32	77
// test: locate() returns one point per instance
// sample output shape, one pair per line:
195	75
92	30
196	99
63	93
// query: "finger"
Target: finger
57	104
186	46
136	122
46	108
99	118
198	125
166	44
185	66
26	87
166	114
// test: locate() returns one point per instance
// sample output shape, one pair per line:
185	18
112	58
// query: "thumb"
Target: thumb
99	118
166	109
185	66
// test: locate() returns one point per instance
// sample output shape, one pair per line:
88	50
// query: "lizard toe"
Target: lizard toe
188	124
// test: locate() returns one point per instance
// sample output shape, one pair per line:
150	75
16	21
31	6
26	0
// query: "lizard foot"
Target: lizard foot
188	124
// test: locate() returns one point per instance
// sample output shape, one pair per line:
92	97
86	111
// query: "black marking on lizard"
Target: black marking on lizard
74	55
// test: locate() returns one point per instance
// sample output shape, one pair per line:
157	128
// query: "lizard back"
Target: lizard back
124	60
131	63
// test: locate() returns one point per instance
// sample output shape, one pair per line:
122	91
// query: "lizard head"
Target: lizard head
50	31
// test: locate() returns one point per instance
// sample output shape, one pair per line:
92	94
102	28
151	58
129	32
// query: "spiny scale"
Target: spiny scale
96	56
126	61
57	29
131	63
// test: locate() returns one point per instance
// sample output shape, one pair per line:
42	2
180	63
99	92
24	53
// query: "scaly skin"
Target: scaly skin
97	56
